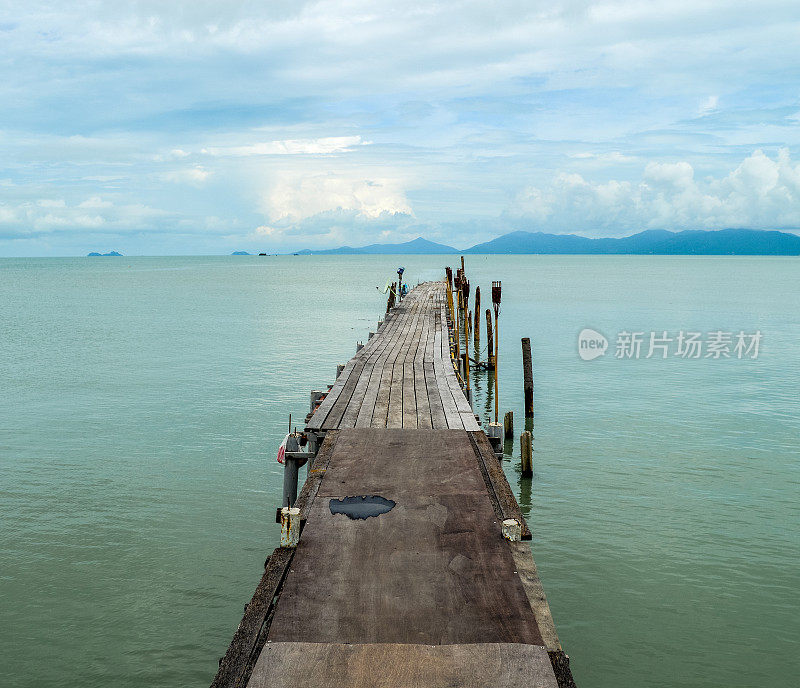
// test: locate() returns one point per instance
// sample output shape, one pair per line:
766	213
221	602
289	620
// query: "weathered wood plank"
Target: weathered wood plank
424	419
393	665
440	364
438	419
367	410
358	398
395	413
409	392
383	397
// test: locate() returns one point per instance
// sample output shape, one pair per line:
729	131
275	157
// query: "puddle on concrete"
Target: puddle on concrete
361	507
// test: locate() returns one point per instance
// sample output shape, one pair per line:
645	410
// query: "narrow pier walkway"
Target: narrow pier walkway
420	588
403	377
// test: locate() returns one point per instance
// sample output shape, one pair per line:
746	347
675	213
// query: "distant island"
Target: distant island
240	253
722	242
110	253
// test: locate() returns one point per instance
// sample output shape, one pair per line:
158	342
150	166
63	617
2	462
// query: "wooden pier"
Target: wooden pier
436	587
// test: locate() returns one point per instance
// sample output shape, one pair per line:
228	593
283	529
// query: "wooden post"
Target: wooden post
508	424
339	369
477	326
527	373
526	450
489	340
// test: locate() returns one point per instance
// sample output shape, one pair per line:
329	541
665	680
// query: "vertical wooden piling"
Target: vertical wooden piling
496	305
526	454
477	326
508	424
489	340
527	372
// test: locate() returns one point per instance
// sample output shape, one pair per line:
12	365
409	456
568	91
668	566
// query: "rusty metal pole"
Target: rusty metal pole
477	326
465	292
496	291
489	340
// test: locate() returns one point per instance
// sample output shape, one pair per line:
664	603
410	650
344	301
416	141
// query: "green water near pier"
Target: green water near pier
143	400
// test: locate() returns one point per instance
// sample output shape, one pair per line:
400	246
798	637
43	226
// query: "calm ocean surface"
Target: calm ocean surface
143	400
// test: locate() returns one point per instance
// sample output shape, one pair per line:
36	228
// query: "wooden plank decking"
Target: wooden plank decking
403	377
427	594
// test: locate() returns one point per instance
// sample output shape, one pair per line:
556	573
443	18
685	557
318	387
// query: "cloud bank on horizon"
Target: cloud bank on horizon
205	127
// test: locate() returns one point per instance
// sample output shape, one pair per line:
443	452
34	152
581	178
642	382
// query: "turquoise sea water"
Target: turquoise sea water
142	401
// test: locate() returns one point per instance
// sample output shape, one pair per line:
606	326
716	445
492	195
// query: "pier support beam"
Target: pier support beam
508	425
526	458
527	372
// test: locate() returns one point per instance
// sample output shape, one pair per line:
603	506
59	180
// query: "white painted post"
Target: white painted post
290	526
512	530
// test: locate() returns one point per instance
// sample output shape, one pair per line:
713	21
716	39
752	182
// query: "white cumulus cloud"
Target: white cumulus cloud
191	175
320	146
295	197
761	192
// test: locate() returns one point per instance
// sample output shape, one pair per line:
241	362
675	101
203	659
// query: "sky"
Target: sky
157	128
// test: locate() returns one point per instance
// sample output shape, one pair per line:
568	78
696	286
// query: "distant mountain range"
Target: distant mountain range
110	253
416	246
742	242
